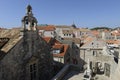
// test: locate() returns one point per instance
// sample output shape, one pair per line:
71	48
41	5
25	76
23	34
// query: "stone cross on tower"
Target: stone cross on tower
29	22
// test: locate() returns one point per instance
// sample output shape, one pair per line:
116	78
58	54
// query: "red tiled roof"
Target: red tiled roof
88	40
75	40
67	31
116	32
106	30
95	32
47	28
64	52
57	42
58	46
113	41
47	39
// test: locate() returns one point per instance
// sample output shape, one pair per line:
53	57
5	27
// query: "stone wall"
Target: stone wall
15	64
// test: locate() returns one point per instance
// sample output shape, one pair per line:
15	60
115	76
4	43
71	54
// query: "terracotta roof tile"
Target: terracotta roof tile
95	32
57	42
113	41
47	28
116	32
81	29
67	31
106	30
47	39
58	46
75	40
63	53
88	40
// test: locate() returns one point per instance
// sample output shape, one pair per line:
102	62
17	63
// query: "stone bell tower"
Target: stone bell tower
30	33
29	22
36	50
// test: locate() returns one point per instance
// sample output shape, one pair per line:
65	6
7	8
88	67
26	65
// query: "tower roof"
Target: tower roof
73	25
29	8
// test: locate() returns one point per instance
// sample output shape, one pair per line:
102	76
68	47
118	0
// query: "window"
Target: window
100	52
33	71
80	33
56	51
60	59
51	33
93	53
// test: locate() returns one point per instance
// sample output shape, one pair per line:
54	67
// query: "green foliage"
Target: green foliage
98	28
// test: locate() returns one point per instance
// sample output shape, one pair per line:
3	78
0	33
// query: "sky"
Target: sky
84	13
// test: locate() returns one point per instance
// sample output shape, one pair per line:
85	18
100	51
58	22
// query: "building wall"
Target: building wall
59	59
99	56
49	33
15	65
67	35
59	32
115	75
80	34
